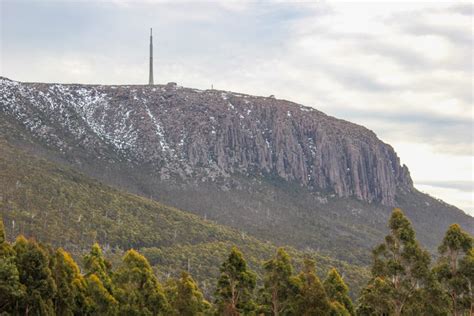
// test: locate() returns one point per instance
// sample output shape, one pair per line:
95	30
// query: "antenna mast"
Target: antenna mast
150	77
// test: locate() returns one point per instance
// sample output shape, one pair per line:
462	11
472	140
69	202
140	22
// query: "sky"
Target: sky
403	69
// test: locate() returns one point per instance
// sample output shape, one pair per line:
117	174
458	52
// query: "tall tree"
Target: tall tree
311	298
11	290
235	286
279	284
466	268
374	297
99	285
433	301
399	271
338	291
33	266
185	297
6	249
455	245
95	263
137	288
101	302
70	298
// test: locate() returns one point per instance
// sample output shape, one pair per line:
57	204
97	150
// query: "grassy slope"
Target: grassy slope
58	205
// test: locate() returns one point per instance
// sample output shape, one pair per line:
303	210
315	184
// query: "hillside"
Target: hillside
60	206
273	169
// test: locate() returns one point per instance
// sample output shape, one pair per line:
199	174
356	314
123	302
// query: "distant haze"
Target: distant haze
403	70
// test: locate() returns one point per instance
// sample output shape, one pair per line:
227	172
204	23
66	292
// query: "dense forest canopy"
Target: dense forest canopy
38	279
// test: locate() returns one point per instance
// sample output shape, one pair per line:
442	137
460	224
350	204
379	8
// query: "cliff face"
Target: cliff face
209	135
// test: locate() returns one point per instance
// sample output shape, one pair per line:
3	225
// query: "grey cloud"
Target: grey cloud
407	57
413	23
446	134
464	9
409	116
403	56
349	77
454	35
355	79
413	62
410	59
465	186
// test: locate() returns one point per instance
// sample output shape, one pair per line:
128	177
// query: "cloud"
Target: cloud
463	8
448	22
465	186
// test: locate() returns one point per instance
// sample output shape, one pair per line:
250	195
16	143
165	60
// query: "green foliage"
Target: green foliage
6	250
101	302
338	293
235	286
95	263
401	264
185	297
433	301
402	283
456	240
466	268
39	280
452	269
280	287
311	298
32	262
137	288
337	309
3	238
11	290
99	284
374	298
71	286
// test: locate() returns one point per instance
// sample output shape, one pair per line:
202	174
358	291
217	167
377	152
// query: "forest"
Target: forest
37	279
66	209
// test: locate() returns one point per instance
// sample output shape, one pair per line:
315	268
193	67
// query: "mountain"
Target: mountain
277	170
65	208
209	135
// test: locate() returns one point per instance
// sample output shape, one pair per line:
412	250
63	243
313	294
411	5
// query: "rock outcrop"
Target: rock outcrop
209	135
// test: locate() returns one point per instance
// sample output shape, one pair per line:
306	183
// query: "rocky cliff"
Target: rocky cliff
209	135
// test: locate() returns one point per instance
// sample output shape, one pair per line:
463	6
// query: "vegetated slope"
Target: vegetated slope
65	208
274	169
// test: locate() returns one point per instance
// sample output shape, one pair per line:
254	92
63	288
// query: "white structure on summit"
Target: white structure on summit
150	77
